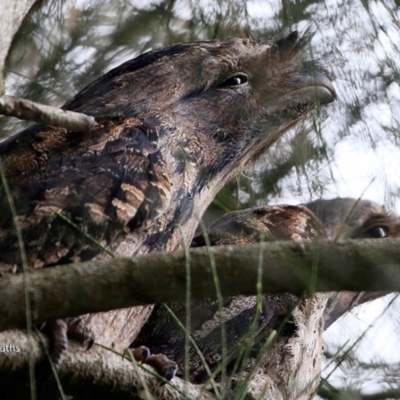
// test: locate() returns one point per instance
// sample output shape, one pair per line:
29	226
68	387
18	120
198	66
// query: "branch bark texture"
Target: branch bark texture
48	115
295	267
96	373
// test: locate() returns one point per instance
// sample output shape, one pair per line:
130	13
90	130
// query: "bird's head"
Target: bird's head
344	217
219	102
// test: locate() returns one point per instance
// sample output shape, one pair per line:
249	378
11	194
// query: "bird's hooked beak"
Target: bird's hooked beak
316	88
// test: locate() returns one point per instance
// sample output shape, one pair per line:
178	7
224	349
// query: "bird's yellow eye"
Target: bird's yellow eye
235	80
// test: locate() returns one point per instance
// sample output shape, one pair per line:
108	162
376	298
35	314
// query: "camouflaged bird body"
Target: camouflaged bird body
173	126
172	129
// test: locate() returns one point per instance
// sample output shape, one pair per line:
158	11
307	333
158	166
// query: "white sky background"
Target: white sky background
361	49
364	153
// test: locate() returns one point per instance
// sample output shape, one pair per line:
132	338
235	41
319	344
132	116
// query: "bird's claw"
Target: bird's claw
163	365
141	353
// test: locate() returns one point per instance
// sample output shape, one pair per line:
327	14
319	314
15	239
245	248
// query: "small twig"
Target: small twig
31	111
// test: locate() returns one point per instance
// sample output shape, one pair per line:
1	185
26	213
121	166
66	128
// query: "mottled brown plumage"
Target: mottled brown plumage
338	218
269	223
173	126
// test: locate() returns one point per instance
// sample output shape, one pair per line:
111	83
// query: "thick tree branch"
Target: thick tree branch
31	111
76	289
97	373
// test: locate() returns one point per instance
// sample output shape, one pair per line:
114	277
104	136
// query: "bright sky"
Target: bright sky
364	161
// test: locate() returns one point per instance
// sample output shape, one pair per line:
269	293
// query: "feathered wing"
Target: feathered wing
75	192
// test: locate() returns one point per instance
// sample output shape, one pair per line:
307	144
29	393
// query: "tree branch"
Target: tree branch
81	288
96	373
31	111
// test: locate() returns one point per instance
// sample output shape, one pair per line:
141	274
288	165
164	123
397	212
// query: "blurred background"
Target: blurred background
349	149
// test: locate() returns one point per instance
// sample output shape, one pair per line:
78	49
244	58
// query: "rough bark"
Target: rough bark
293	362
76	289
116	283
98	372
